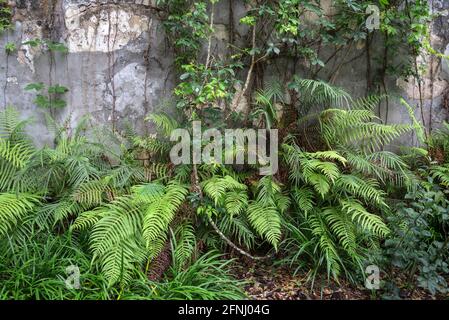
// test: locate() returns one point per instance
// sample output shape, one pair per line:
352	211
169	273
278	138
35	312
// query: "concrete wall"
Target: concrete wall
120	66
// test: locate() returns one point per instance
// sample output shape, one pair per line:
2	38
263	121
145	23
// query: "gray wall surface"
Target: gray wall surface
120	65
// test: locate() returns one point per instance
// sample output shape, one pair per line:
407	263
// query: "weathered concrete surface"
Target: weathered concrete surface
118	61
119	66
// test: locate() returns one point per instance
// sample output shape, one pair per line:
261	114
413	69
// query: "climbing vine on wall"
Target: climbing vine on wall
5	16
304	32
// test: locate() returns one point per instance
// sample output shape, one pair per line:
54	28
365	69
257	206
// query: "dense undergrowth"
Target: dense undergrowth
141	229
110	207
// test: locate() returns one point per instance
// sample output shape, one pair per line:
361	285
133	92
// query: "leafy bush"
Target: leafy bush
338	191
419	240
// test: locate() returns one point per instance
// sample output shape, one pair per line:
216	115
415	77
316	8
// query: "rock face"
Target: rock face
119	67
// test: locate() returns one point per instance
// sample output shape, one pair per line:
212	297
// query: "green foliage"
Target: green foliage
267	103
419	241
339	192
131	228
10	48
314	93
115	207
206	279
202	85
38	271
50	45
5	16
332	209
229	198
188	25
53	97
14	209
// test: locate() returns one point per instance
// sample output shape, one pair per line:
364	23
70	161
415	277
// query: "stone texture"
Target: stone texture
119	62
108	42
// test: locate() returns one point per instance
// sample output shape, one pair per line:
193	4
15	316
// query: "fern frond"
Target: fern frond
86	220
237	227
119	261
185	244
121	220
326	244
366	189
266	221
317	92
367	221
91	192
441	173
343	228
217	187
304	198
164	123
161	212
14	208
235	202
17	153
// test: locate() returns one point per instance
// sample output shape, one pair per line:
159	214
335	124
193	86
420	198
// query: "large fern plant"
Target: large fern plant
338	188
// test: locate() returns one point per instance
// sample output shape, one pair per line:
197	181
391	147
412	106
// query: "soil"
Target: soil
265	282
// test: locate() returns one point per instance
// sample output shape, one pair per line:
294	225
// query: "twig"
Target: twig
250	71
209	45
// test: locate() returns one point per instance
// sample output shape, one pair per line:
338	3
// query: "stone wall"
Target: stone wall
120	65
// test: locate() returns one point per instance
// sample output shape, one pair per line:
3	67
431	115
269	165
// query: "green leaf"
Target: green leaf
57	89
35	86
42	101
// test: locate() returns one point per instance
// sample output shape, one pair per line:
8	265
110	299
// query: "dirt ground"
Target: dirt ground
265	282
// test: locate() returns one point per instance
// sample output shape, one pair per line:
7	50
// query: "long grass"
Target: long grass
37	271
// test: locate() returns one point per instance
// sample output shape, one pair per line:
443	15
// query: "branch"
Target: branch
209	45
250	71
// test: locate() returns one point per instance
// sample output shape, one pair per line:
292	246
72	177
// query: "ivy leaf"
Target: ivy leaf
42	101
57	89
35	86
56	46
59	103
248	20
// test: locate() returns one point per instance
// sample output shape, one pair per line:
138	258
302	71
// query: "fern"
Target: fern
122	221
441	173
236	202
304	198
326	244
217	187
238	228
160	213
134	223
164	123
92	192
319	93
367	221
366	189
266	221
343	229
14	208
185	244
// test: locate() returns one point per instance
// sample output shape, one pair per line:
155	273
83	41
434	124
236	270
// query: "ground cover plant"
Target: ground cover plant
103	213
